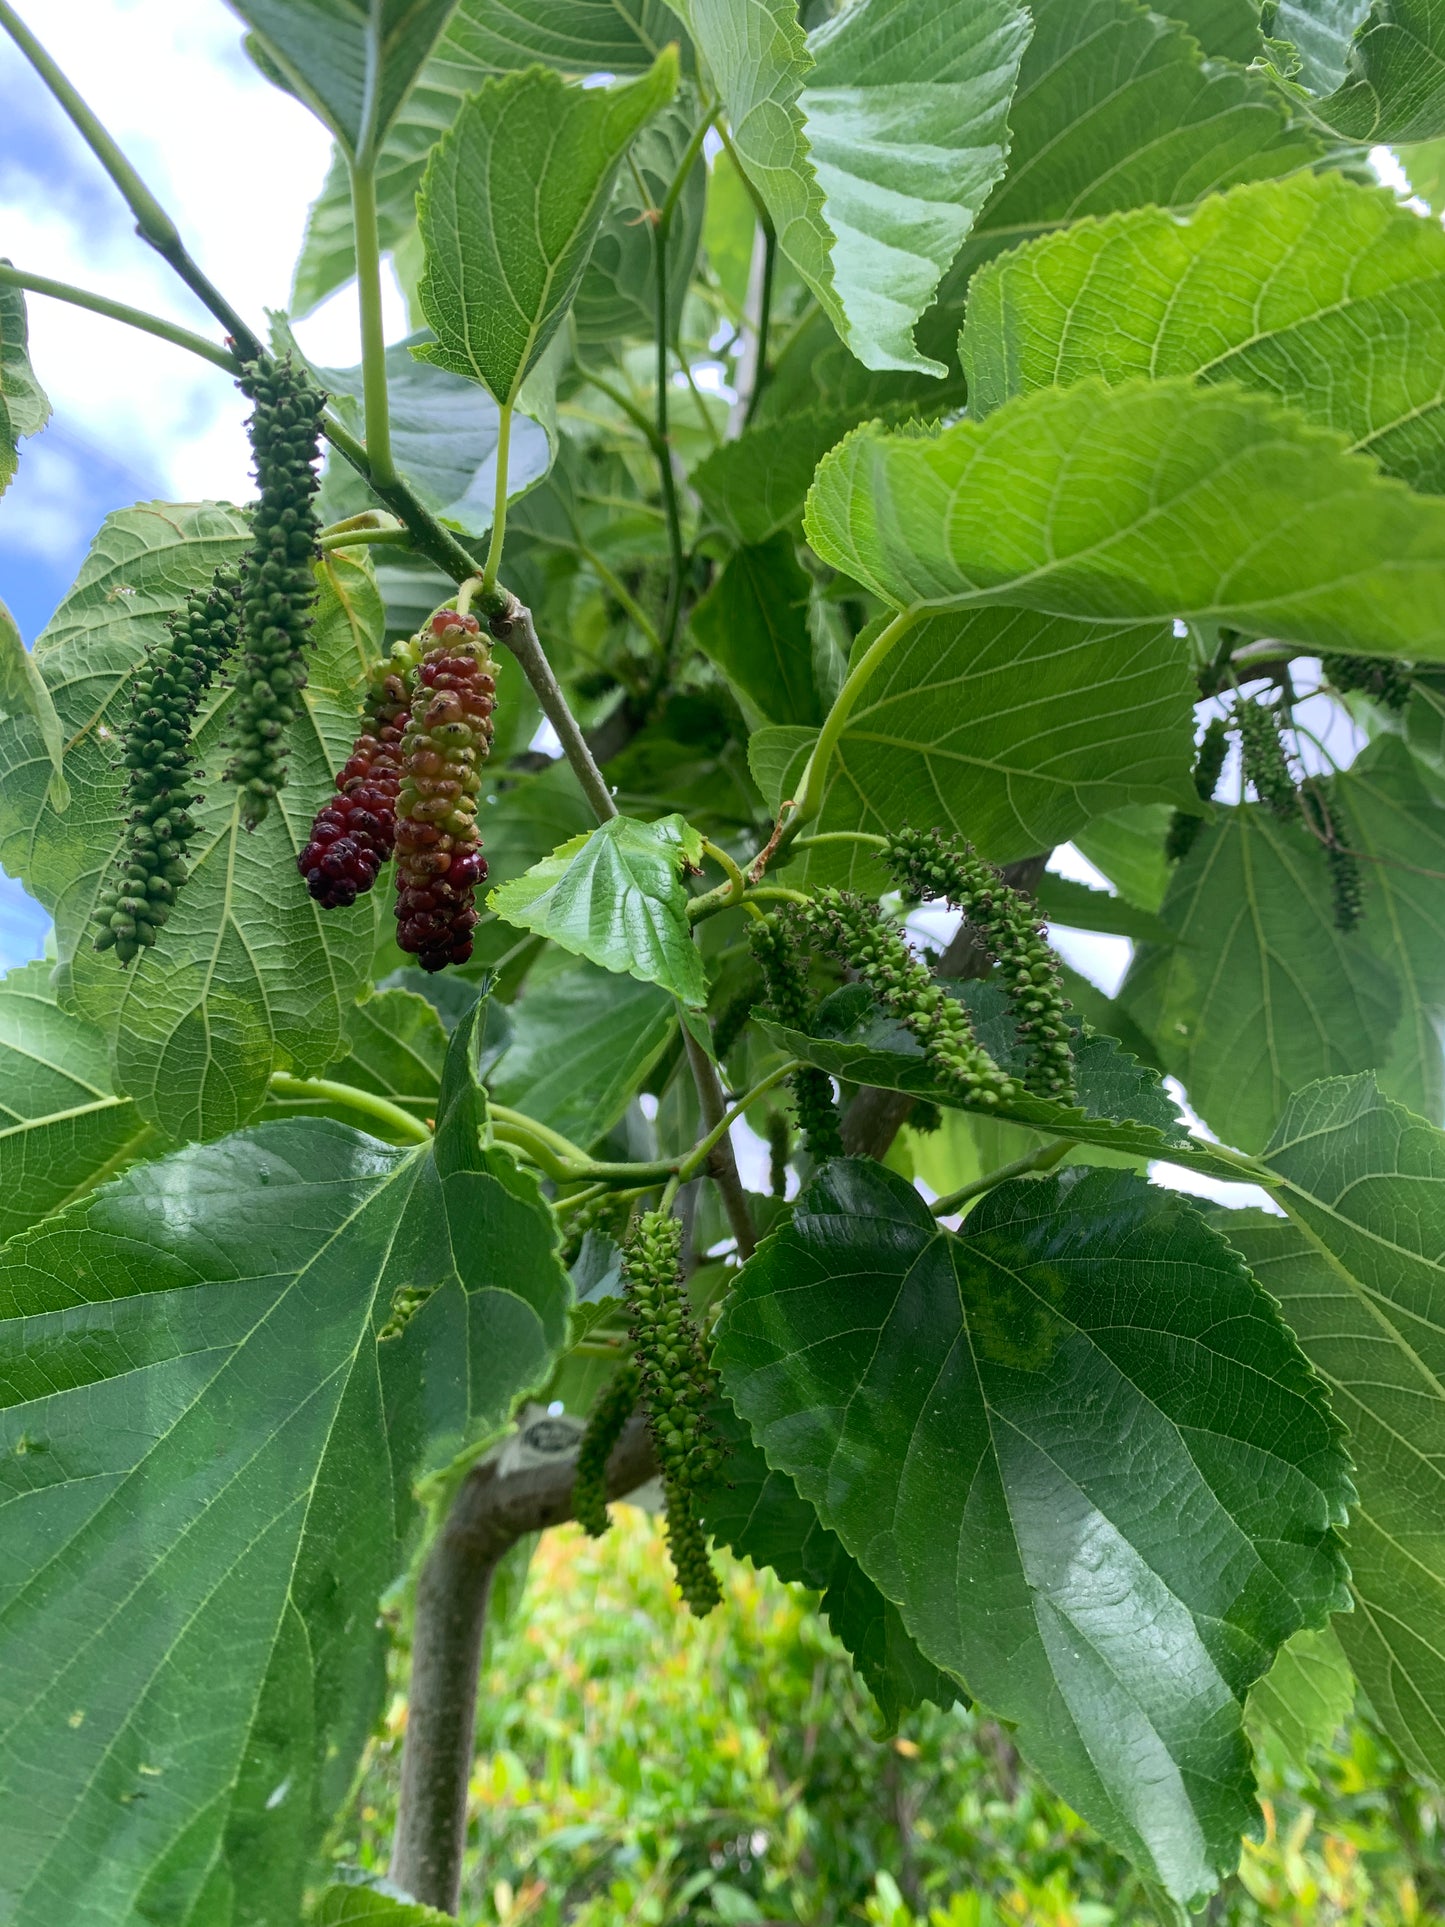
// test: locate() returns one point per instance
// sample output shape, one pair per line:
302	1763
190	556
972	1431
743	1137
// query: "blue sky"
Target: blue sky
236	163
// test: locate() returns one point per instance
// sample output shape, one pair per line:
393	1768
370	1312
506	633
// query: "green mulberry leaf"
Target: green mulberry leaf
1080	1450
1260	993
1274	286
1151	499
1358	1273
760	1515
221	1376
617	897
512	201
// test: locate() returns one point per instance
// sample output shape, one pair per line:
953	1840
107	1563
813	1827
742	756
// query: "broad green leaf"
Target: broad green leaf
1260	994
1128	847
1226	28
1013	728
369	1907
1079	1448
1081	908
249	974
582	1041
512	202
24	406
1387	813
1387	82
1152	499
522	824
1274	286
1358	1275
753	623
1424	164
24	694
777	757
618	293
1318	34
62	1127
222	1375
759	1514
1121	1106
351	61
482	38
1116	108
616	896
757	484
444	435
395	1045
1307	1694
873	143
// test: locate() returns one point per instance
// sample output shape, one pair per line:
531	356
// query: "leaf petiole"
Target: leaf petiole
1043	1159
150	324
322	1090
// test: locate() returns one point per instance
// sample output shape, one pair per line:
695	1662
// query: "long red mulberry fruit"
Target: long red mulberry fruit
353	833
448	735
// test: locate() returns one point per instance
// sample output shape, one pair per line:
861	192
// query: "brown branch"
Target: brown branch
490	1514
875	1117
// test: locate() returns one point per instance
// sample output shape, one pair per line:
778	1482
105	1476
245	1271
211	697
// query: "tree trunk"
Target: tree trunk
490	1514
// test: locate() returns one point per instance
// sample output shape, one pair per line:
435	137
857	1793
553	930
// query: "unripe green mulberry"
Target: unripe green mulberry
691	1561
1266	760
856	934
609	1415
448	737
678	1386
165	695
776	946
1347	889
927	866
1382	677
278	583
1184	827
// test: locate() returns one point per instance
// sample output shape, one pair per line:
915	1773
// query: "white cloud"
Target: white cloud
232	159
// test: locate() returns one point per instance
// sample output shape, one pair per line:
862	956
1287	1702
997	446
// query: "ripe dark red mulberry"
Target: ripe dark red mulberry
353	833
439	858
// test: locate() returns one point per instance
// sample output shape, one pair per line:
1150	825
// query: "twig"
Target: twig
150	324
722	1165
515	628
1043	1159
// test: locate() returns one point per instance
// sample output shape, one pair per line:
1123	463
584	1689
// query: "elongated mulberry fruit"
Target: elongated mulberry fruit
615	1404
353	833
678	1386
165	695
927	865
777	948
278	583
1266	760
855	932
1184	826
448	735
1388	681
